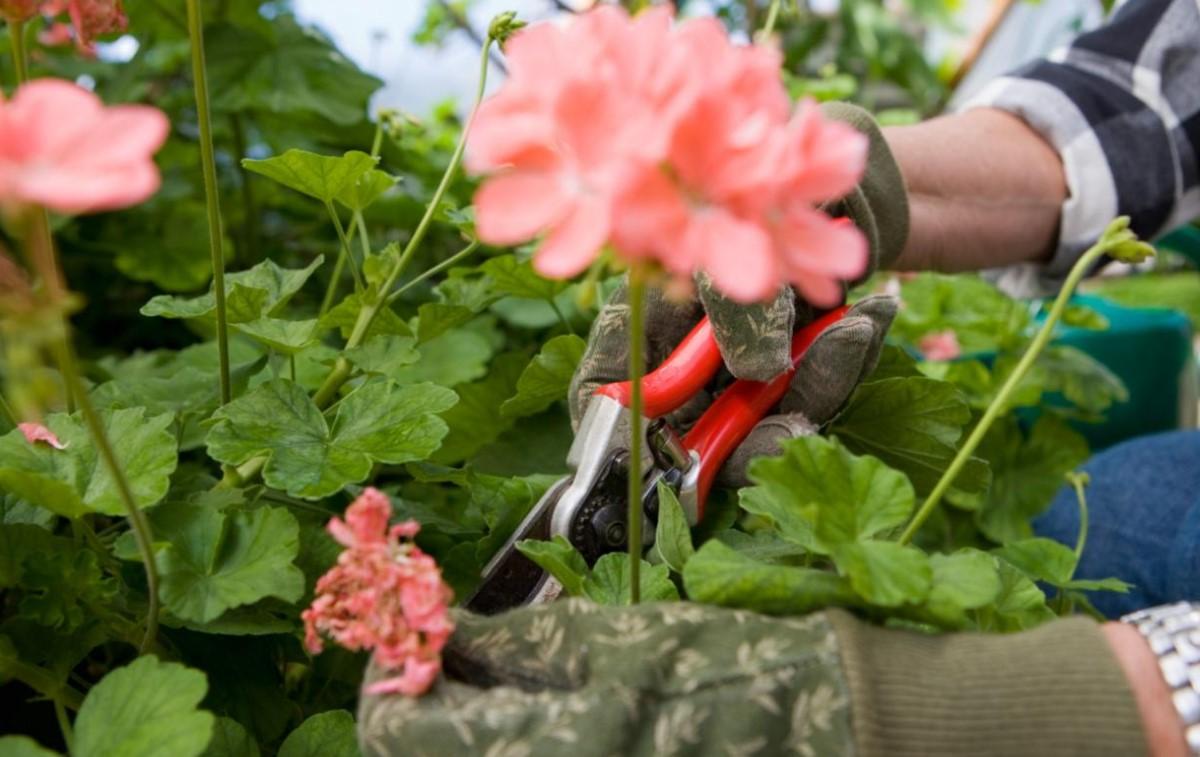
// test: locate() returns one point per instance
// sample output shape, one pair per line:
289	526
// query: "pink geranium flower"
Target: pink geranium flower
36	432
940	345
665	142
61	148
385	595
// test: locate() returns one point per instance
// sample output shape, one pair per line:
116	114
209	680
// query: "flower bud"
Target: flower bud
503	26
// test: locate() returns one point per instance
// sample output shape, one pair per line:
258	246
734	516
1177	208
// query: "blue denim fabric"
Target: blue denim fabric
1144	507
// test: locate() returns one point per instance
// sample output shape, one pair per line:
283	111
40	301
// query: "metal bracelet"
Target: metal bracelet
1173	633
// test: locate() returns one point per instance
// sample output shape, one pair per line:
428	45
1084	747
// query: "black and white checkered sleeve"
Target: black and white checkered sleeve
1121	104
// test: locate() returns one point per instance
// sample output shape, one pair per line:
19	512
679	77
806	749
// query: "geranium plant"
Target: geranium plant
337	391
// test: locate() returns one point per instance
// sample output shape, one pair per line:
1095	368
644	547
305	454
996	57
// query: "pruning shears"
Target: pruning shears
589	506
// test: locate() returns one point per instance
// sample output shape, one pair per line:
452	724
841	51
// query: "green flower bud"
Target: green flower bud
503	26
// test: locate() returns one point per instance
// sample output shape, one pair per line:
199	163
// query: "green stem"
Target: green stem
764	35
16	31
7	410
456	257
562	319
345	253
64	725
342	370
331	289
211	195
42	682
1079	482
1000	403
637	367
363	237
377	143
250	244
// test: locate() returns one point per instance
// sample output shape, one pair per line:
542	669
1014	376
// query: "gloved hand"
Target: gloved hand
574	678
755	340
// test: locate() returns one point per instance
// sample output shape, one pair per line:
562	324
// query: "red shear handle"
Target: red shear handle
729	420
684	373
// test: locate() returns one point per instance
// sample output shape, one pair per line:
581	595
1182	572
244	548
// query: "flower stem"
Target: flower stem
637	367
211	195
456	257
1000	403
64	725
16	30
764	34
42	253
1079	482
345	253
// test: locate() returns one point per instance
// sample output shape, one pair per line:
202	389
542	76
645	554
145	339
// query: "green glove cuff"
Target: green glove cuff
1056	690
879	204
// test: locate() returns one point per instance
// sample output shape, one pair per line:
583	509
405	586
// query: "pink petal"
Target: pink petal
812	241
649	216
828	157
36	432
940	345
735	253
515	207
418	676
576	240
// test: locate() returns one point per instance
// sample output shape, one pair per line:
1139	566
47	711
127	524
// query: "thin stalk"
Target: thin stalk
16	30
562	319
250	207
377	142
637	367
331	289
44	683
342	369
363	237
345	253
456	257
211	195
1079	482
764	34
64	725
1000	403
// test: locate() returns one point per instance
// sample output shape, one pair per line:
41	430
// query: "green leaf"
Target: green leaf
718	575
260	291
379	421
1178	290
1019	605
145	709
74	481
558	558
284	69
23	746
436	318
323	177
230	739
765	545
673	536
1098	584
1026	474
366	190
820	495
1041	559
286	337
344	316
452	358
476	420
216	560
384	355
169	247
913	425
546	379
885	573
518	279
61	588
1082	380
330	734
608	583
894	362
965	580
982	317
19	540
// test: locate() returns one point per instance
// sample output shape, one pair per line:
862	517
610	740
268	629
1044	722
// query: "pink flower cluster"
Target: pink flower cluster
665	142
89	19
385	595
61	148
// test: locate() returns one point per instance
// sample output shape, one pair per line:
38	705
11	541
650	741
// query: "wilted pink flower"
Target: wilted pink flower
385	595
36	432
940	345
57	34
61	148
18	11
92	18
669	143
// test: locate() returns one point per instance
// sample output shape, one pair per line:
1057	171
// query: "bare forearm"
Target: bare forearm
984	190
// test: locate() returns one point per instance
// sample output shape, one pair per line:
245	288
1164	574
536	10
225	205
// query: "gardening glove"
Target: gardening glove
579	679
755	341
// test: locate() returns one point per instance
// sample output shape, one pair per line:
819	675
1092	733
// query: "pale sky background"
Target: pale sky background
377	34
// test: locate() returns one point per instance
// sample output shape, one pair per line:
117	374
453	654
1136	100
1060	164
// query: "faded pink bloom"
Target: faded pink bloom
940	345
17	11
57	34
36	432
385	595
92	18
61	148
670	143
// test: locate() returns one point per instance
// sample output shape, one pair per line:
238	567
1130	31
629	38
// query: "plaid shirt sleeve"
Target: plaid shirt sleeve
1121	105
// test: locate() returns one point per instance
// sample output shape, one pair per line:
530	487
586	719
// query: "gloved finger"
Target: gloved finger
839	360
606	358
755	339
765	440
